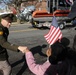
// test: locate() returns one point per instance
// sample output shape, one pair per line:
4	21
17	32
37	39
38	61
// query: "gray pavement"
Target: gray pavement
24	34
34	40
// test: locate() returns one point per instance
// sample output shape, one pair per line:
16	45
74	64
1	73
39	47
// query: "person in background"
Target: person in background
6	20
56	64
72	14
74	43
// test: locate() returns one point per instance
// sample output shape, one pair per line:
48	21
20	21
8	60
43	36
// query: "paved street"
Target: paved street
33	38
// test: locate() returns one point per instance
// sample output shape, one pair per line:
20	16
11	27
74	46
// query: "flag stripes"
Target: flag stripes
54	34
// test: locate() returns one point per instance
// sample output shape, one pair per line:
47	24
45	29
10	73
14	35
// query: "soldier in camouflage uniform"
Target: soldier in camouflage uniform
6	20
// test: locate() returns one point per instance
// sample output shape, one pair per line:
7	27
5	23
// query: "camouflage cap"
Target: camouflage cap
6	13
7	16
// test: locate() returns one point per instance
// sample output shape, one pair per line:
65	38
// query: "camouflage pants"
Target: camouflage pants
5	68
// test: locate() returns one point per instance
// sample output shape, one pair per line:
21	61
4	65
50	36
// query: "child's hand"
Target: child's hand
48	52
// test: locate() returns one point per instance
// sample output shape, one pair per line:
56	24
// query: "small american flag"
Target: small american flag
55	33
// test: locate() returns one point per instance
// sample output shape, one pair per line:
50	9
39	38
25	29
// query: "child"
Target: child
56	64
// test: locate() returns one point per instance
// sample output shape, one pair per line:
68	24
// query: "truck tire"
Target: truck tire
61	25
33	23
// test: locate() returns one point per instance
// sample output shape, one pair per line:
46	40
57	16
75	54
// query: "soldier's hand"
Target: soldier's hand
22	48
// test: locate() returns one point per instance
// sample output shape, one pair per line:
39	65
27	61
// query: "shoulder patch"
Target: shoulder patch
1	32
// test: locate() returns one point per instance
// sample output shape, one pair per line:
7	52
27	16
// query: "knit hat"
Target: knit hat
58	53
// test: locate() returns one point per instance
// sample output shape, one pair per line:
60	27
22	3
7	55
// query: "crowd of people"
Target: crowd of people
60	57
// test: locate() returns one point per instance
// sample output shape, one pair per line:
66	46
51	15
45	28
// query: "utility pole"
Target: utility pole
57	3
53	6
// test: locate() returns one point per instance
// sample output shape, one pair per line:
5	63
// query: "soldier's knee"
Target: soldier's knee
9	68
